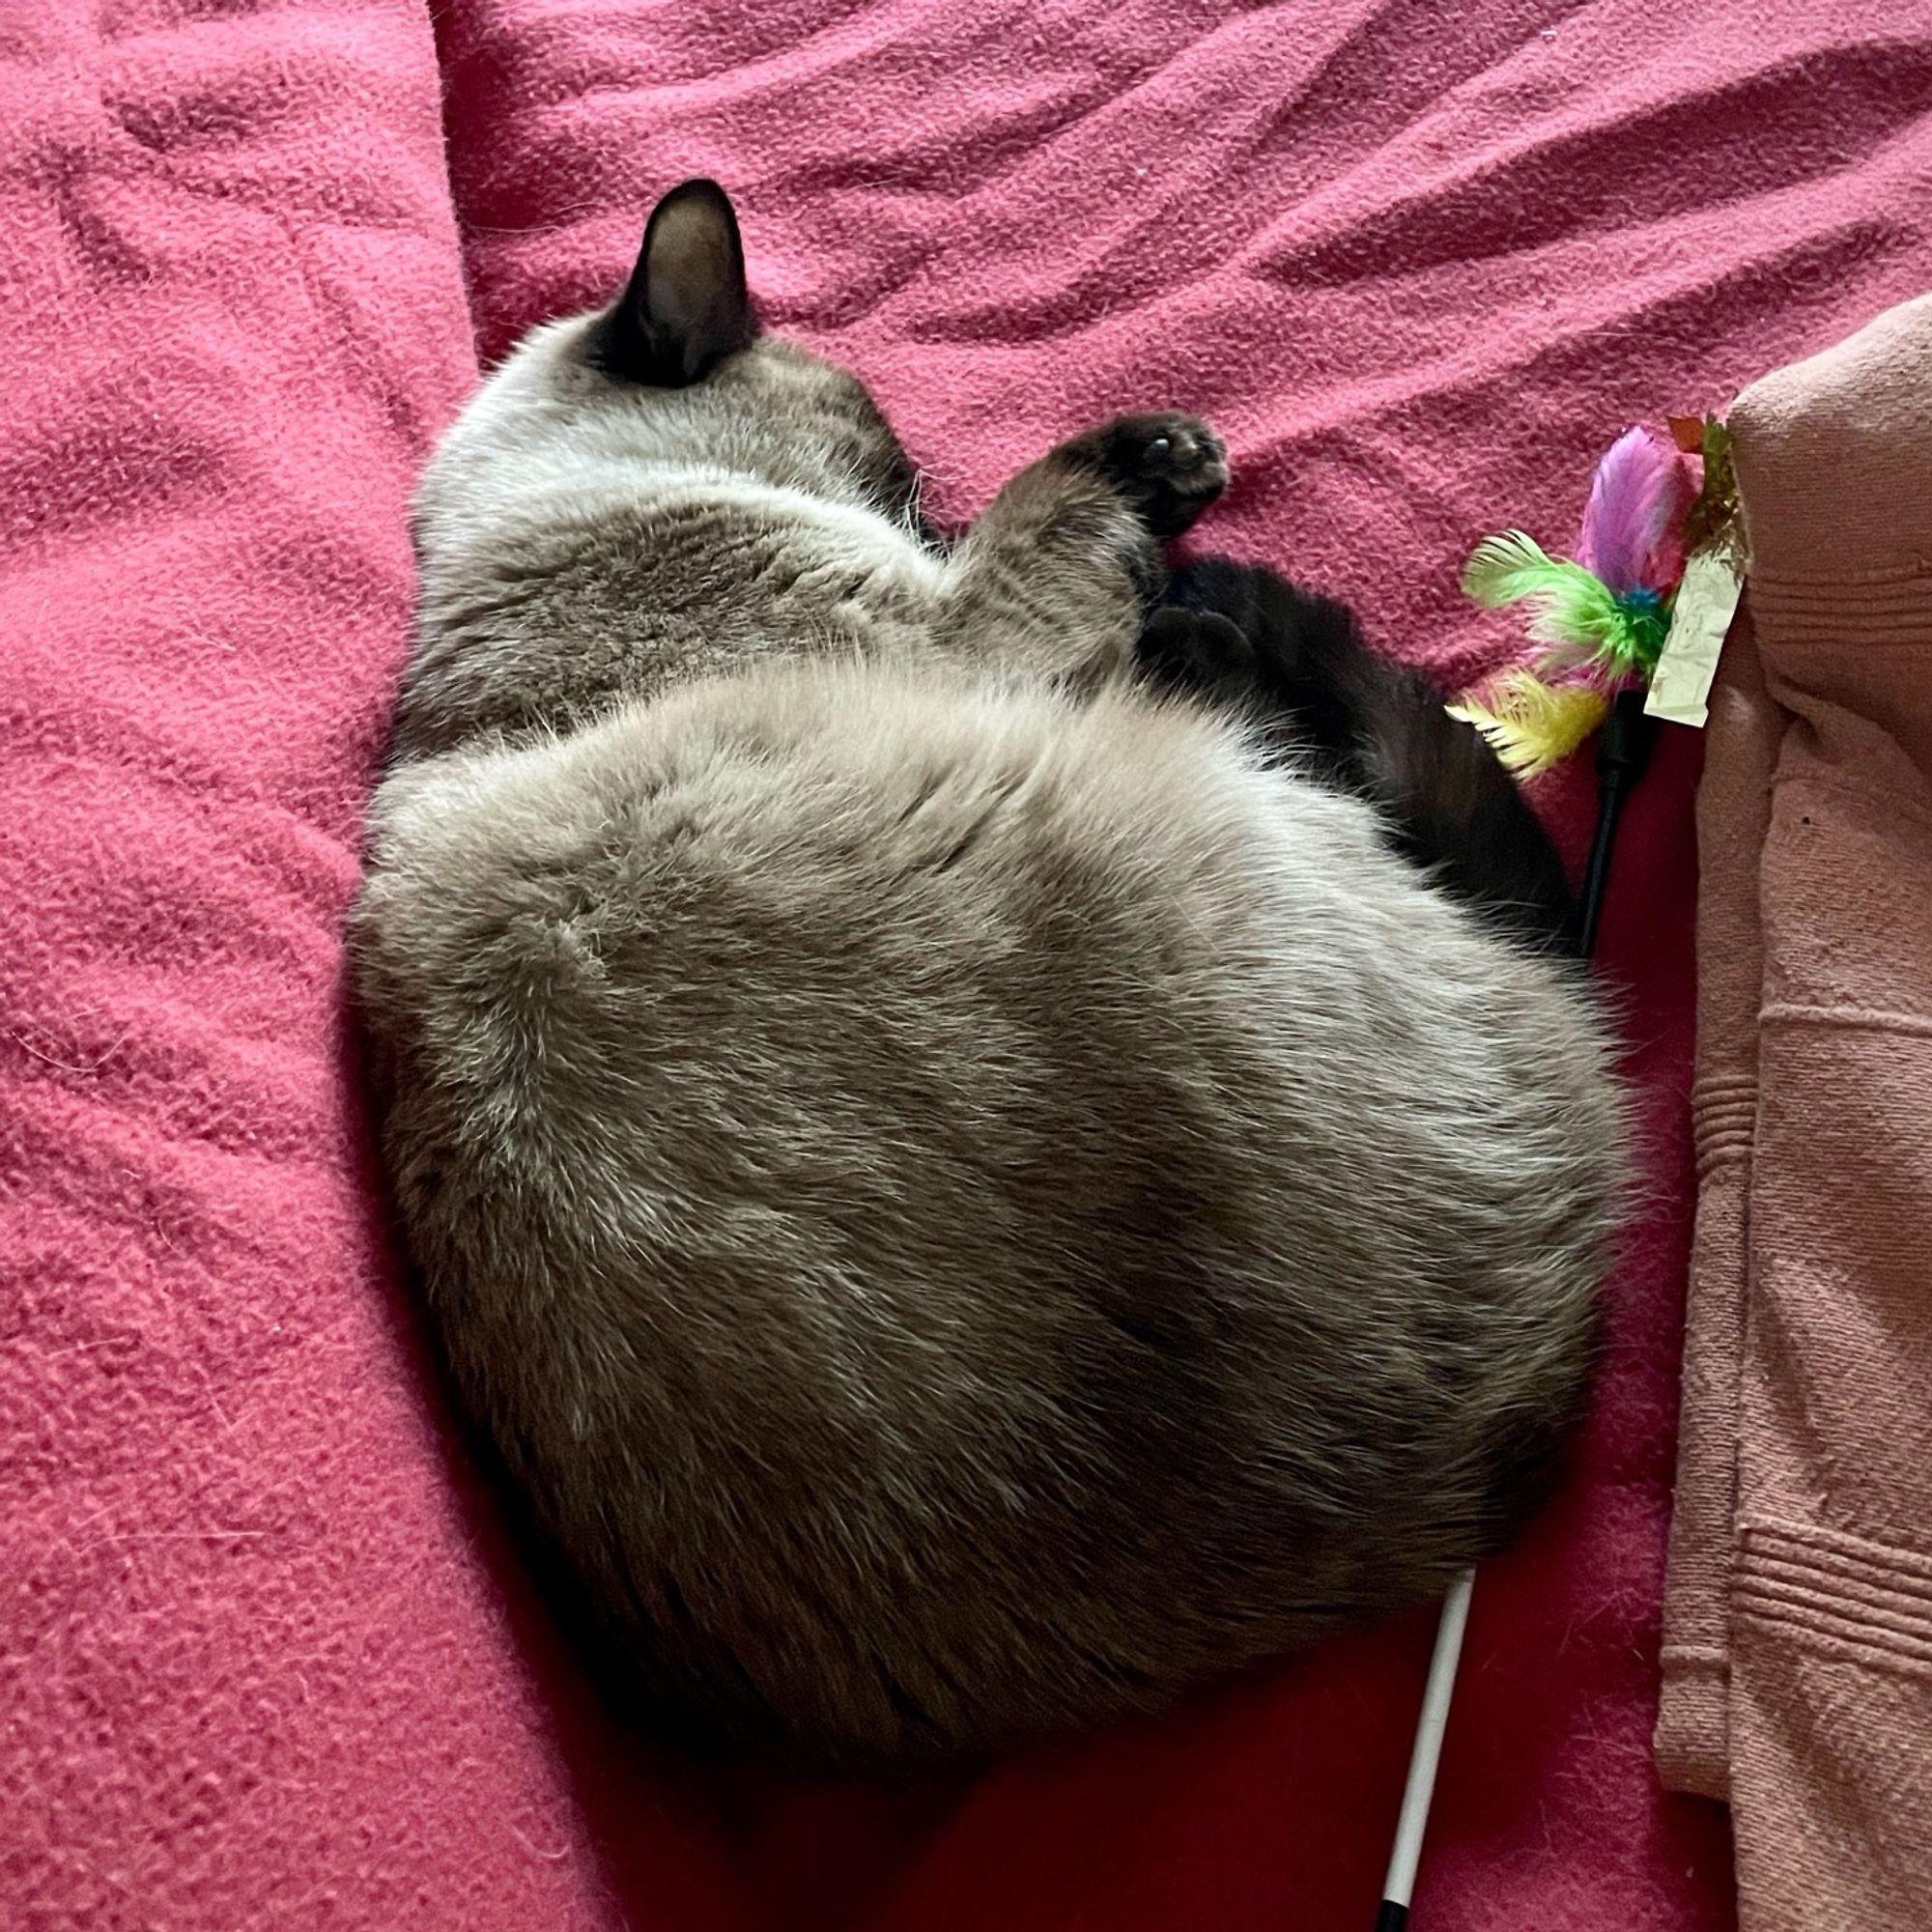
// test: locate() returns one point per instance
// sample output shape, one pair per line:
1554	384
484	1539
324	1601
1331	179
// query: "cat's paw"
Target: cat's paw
1170	467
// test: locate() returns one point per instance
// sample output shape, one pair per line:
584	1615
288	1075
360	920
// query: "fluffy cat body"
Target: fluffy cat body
961	1201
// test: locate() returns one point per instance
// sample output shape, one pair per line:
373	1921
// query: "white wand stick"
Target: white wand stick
1400	1884
1623	750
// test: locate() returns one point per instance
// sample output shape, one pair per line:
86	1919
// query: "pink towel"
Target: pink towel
261	1661
1799	1656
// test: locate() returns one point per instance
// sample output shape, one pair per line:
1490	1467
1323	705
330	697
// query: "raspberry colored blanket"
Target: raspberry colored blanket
263	1662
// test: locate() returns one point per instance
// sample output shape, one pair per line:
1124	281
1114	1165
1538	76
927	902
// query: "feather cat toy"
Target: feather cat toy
1630	628
1604	615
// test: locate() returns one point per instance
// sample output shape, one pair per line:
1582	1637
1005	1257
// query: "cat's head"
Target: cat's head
676	371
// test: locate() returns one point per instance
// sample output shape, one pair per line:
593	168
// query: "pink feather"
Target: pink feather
1633	522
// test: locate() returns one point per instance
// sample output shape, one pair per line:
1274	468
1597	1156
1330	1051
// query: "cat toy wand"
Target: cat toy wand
1633	623
1623	750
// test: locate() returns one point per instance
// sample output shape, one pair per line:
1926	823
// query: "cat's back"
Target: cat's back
878	1138
952	1082
855	850
826	939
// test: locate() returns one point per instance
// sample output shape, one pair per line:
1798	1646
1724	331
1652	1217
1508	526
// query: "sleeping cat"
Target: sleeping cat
961	1200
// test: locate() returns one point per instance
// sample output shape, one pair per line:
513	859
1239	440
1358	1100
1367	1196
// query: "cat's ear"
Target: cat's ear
686	304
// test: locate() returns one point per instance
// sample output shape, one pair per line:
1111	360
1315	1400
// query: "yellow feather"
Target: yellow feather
1529	724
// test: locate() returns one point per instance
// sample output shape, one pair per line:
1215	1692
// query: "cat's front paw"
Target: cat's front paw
1170	467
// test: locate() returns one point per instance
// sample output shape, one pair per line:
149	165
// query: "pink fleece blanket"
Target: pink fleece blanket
261	1659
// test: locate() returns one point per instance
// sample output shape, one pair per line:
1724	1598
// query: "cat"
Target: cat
961	1200
1296	665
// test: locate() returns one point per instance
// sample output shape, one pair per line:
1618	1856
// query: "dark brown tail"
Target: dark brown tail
1297	663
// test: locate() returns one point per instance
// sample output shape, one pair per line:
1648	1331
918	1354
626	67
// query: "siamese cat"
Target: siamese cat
961	1195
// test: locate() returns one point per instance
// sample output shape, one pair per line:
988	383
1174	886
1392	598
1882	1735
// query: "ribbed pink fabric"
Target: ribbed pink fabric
1733	814
1799	1624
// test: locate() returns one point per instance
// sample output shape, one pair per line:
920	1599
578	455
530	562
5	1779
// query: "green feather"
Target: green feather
1573	606
1502	569
1575	610
1639	643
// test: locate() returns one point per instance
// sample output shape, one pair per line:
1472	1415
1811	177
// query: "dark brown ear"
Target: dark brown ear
686	304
